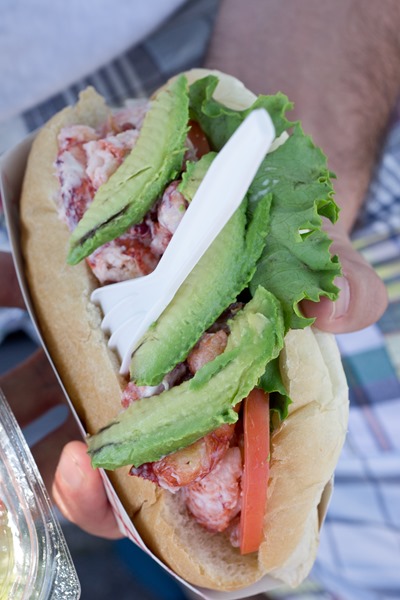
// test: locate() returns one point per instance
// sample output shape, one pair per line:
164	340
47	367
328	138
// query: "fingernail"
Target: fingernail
341	306
71	472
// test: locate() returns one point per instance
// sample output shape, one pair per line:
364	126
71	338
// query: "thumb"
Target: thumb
80	495
362	299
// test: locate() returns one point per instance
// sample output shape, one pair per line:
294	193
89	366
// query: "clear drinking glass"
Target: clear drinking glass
35	562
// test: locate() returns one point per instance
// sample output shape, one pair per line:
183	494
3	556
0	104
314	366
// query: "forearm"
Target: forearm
338	61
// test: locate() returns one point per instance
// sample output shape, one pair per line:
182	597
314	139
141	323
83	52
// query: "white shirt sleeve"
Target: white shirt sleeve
46	46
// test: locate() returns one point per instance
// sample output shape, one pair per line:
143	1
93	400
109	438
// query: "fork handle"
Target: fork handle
217	198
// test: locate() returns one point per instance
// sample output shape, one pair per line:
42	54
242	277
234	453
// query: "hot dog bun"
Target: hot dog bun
304	450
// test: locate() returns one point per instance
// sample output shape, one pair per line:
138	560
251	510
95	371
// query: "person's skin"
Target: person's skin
340	63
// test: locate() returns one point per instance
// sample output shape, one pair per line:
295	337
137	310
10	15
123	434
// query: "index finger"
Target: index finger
363	297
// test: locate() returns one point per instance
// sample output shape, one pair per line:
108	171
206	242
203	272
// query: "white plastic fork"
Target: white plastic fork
130	307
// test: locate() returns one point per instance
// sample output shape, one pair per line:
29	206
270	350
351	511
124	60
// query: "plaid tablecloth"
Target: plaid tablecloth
359	557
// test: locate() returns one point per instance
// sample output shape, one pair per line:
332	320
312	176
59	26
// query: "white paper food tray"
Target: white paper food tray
12	168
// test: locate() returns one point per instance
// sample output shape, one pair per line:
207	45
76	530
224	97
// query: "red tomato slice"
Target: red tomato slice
255	470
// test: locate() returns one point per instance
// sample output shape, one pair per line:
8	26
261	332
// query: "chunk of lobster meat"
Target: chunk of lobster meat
164	222
83	163
161	237
134	392
73	136
124	258
106	155
76	189
171	208
215	500
74	201
188	465
207	348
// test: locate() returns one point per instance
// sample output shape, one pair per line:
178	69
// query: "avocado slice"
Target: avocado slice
215	282
194	175
131	191
153	427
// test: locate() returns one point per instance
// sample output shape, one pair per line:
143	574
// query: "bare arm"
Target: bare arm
338	61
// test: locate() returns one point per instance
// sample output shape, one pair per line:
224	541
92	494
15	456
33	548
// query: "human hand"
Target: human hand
362	73
362	299
31	390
